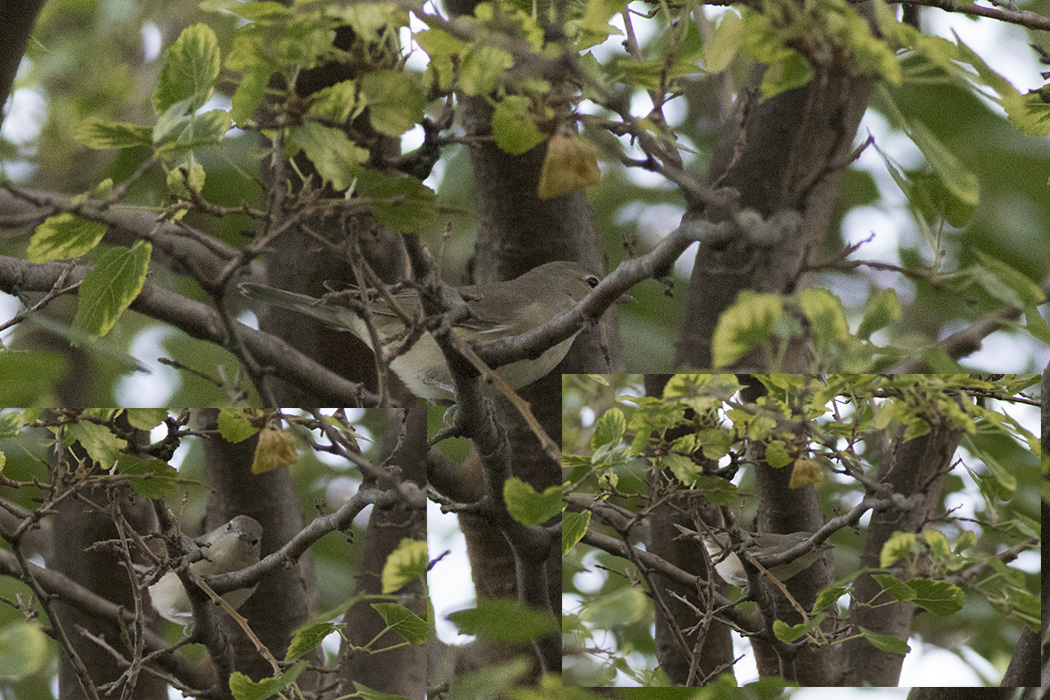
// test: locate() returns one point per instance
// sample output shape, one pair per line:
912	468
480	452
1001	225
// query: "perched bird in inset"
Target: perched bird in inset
229	547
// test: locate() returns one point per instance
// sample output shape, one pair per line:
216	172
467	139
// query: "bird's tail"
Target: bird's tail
338	317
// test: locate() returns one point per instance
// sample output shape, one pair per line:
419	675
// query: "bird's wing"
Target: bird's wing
336	316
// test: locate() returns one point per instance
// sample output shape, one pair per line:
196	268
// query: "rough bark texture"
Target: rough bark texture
716	652
785	510
786	155
518	231
302	263
77	527
400	671
917	467
284	600
16	19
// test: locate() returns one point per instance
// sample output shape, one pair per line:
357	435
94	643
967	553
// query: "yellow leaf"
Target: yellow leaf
804	473
276	449
571	163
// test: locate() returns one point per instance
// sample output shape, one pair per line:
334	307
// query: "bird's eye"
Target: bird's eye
592	281
229	526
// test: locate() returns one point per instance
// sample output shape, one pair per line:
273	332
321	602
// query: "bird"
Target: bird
230	547
497	310
757	544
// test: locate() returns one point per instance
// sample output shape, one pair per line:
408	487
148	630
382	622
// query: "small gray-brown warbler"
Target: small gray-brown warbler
758	545
497	310
229	547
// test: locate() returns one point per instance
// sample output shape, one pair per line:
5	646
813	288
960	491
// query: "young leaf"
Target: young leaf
395	101
103	135
64	236
744	326
191	67
513	126
110	288
529	507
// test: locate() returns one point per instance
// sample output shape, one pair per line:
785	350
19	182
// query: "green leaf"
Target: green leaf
959	180
1035	324
939	597
529	507
483	68
594	27
395	101
895	587
23	650
169	119
503	620
744	326
896	547
401	203
513	126
205	129
371	21
829	596
683	468
366	693
160	479
1024	290
938	543
235	424
102	135
717	491
145	418
111	287
309	637
12	421
403	621
101	445
619	608
645	74
609	429
494	682
827	317
1007	480
244	688
250	92
1026	112
790	72
191	67
777	455
441	47
256	11
724	43
880	310
64	236
885	642
714	442
573	528
341	102
791	633
933	198
405	564
189	172
336	157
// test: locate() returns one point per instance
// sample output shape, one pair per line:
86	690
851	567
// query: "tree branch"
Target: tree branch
200	321
968	340
1032	20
